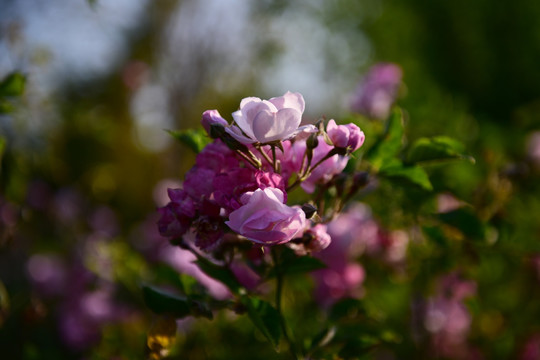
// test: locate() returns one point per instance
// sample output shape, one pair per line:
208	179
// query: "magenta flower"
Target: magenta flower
265	121
210	117
176	216
265	219
345	136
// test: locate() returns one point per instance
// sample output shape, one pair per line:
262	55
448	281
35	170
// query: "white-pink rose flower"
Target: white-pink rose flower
265	121
265	219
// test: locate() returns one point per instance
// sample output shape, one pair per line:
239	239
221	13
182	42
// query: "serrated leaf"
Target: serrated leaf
388	147
195	139
465	220
220	273
412	174
437	149
12	85
265	318
162	302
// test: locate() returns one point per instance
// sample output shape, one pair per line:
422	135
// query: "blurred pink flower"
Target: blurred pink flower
531	349
447	318
376	94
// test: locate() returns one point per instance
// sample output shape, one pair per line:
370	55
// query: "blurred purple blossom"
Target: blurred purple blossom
447	318
377	92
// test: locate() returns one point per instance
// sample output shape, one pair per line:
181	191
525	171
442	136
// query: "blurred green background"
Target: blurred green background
85	159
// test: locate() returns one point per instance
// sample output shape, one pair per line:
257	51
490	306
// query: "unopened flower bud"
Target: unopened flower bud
345	136
359	180
232	143
210	118
312	141
216	131
309	210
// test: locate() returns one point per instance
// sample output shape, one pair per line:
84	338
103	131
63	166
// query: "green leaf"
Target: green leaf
5	107
465	220
412	174
437	149
12	85
265	318
384	152
161	302
359	346
347	308
436	234
3	144
220	273
290	263
195	139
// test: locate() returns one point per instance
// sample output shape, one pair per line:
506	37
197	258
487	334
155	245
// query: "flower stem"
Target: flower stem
264	155
279	290
274	165
249	160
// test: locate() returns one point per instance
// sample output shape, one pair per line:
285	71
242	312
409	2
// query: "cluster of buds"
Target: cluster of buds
239	186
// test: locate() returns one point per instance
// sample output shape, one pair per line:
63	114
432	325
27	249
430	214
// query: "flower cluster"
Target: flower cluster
241	181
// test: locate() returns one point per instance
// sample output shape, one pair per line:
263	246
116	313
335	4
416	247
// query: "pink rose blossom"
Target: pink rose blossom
265	219
265	121
344	136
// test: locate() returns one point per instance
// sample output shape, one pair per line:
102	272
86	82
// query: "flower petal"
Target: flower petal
242	123
236	133
271	127
289	100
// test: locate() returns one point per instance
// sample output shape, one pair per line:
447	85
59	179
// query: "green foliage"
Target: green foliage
195	139
385	151
291	264
435	150
265	318
465	220
3	145
12	85
165	303
410	174
220	273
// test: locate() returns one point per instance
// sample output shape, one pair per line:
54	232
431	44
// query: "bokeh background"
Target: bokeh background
85	159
